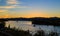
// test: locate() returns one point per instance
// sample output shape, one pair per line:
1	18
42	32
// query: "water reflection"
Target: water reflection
27	25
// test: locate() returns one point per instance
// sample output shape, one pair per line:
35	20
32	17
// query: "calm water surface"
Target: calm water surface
27	25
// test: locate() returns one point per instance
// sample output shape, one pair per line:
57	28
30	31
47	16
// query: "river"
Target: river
27	25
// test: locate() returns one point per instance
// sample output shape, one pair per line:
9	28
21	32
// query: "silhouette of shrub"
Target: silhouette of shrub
40	33
53	34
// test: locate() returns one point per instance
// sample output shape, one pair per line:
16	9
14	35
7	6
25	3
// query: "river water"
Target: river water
27	25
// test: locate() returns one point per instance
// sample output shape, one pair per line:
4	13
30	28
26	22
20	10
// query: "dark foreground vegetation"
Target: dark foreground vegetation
7	31
55	21
16	32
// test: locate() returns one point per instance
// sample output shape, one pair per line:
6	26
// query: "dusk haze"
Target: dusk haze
29	8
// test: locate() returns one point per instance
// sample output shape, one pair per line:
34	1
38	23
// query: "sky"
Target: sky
29	8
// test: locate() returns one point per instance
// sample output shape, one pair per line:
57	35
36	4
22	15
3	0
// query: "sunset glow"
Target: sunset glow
29	8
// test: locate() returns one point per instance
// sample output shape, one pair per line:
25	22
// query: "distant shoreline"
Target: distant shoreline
55	21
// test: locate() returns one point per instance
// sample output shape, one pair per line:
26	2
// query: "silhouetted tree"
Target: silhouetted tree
2	24
53	34
40	33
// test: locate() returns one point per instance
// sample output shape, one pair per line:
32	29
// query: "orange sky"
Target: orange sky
29	8
32	13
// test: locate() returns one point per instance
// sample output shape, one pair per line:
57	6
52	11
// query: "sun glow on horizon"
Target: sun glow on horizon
32	13
29	8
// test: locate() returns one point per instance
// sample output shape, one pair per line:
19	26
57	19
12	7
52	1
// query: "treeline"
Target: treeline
47	21
37	20
30	19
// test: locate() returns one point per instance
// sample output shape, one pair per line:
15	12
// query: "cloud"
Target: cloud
3	10
10	7
7	7
12	2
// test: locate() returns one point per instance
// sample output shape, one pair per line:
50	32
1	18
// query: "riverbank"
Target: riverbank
7	31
